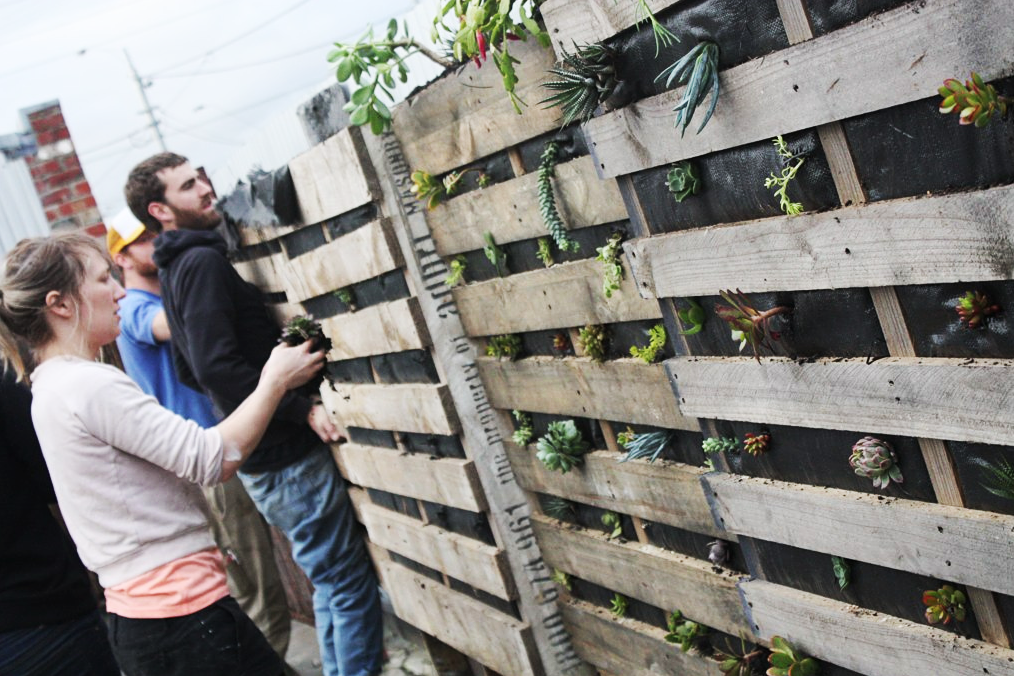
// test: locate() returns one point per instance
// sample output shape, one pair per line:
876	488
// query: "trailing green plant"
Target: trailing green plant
561	342
508	345
562	448
523	434
494	254
613	522
545	252
975	102
618	606
683	181
781	181
693	317
649	445
557	507
787	661
593	339
842	571
584	80
974	307
738	663
563	579
997	478
875	459
374	64
609	256
656	343
719	552
720	445
755	444
456	271
547	199
945	605
749	326
698	68
303	328
663	36
683	632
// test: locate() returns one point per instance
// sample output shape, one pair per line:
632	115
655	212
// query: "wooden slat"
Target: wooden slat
627	646
510	210
625	390
283	312
404	408
665	492
933	398
266	273
364	253
866	641
254	234
379	329
332	177
562	296
479	631
950	543
589	21
645	572
467	115
445	481
457	556
941	239
813	83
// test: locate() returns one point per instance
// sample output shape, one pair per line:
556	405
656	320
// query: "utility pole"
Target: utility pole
147	106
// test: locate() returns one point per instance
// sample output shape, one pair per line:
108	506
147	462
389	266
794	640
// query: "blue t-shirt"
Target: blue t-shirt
150	363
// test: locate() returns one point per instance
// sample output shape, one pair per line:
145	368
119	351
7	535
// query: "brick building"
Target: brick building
59	181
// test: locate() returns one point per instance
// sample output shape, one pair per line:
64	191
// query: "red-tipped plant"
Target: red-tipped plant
975	102
749	325
974	307
944	605
755	444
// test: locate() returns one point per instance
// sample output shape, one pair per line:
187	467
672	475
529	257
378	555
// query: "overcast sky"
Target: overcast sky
217	69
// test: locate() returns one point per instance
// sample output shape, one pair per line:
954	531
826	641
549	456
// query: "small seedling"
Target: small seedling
700	67
304	328
875	459
523	434
618	606
786	661
625	437
562	448
427	188
755	444
613	522
720	445
683	181
561	342
485	180
563	579
593	340
583	80
738	663
842	571
719	552
998	479
683	632
545	252
656	343
494	254
507	345
975	102
345	296
547	199
693	317
609	256
663	36
456	272
648	445
749	326
974	307
945	605
781	181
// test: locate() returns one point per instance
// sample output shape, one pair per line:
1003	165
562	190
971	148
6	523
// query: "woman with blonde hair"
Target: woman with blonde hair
126	471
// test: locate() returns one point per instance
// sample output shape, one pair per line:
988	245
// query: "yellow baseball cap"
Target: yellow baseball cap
122	230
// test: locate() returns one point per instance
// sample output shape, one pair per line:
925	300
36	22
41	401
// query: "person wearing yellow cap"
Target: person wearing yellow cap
238	528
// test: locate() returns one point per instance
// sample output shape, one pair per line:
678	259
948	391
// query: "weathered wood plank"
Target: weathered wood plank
627	646
267	273
932	398
258	234
624	390
364	253
665	492
961	237
379	329
866	641
404	408
479	631
445	481
467	115
283	312
813	83
457	556
563	296
510	210
332	177
645	572
962	545
590	21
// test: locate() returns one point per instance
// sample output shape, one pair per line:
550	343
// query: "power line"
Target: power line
245	65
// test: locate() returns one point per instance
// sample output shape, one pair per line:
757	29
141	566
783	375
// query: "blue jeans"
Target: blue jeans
309	502
75	648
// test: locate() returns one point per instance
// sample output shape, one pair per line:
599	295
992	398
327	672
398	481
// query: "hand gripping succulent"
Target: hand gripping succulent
875	459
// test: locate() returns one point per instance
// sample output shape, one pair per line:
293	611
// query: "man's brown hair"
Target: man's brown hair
144	186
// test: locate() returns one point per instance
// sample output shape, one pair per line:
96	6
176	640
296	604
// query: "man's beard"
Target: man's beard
196	220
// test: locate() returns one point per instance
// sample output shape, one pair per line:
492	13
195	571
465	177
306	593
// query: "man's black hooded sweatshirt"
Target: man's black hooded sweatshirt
221	336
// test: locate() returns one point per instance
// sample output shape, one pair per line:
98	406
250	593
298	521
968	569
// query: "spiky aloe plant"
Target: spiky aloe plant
749	325
945	605
547	199
787	661
875	459
974	307
562	448
975	102
685	633
649	445
699	70
683	181
523	434
609	256
593	339
584	80
997	478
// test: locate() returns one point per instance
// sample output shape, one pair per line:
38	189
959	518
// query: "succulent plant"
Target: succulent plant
656	343
485	180
302	328
625	437
494	254
738	663
683	181
547	199
975	102
944	605
613	522
523	434
842	571
427	188
507	345
683	632
561	578
609	256
649	445
875	459
781	181
786	661
561	342
545	252
974	307
557	507
582	81
749	326
593	340
618	606
456	271
720	445
755	444
693	317
562	448
663	36
700	67
998	478
719	552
